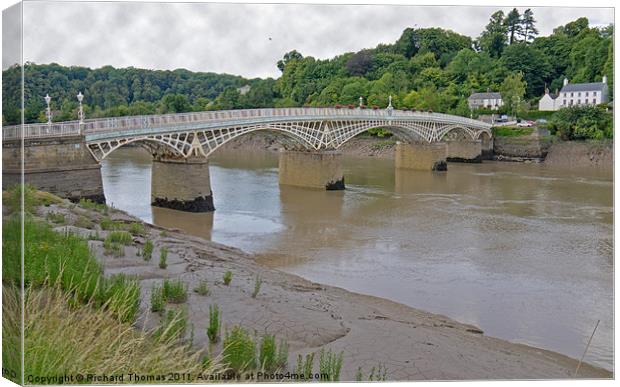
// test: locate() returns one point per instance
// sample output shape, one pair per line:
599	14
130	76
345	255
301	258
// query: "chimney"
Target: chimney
565	81
604	78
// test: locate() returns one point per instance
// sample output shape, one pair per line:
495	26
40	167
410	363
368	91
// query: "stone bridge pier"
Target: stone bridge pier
182	184
464	151
312	169
421	156
60	165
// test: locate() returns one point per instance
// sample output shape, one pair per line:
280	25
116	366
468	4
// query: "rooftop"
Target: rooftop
594	86
488	95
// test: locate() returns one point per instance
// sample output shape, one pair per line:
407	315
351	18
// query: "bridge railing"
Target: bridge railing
56	129
98	125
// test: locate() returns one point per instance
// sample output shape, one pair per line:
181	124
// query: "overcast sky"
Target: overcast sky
243	39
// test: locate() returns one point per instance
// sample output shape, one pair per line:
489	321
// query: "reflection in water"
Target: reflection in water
522	250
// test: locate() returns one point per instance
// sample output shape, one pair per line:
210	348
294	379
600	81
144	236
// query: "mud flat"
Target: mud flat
410	343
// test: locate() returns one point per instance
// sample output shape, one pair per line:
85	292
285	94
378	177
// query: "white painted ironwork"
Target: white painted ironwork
201	133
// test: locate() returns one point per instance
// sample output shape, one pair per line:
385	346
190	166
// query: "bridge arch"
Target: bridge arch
409	133
101	150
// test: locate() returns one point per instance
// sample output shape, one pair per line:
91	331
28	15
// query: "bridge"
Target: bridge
182	143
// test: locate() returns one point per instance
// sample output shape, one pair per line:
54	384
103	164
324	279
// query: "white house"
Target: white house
548	101
576	94
490	100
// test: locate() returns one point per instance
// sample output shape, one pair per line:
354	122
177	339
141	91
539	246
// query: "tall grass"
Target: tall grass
91	205
202	288
272	357
173	325
87	340
215	324
239	350
122	237
228	277
257	284
330	364
147	252
175	291
163	258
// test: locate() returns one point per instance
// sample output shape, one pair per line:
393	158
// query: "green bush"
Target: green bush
215	324
330	364
581	123
163	257
228	277
239	350
202	288
147	252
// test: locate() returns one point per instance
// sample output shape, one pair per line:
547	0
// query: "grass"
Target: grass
378	374
90	205
147	252
173	325
174	291
122	237
109	224
512	131
158	302
12	198
55	217
330	364
84	340
228	277
257	284
215	324
239	350
202	288
113	248
272	357
304	367
136	228
84	222
383	144
163	257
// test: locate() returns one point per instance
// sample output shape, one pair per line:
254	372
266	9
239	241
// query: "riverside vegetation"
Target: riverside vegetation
72	284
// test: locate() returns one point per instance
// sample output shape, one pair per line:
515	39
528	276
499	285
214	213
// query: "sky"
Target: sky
241	39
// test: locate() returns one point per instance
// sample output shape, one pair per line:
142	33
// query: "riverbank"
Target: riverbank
563	154
370	331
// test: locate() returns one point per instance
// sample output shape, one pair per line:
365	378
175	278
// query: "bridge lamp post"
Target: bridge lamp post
80	97
48	111
361	102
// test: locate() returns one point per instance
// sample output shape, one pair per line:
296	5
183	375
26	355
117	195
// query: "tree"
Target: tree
531	62
289	56
529	30
493	38
360	63
513	25
581	123
513	90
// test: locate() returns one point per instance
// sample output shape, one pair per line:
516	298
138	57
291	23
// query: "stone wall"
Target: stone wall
62	166
464	151
586	154
421	156
322	170
520	148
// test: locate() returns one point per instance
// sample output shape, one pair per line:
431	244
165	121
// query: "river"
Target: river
523	251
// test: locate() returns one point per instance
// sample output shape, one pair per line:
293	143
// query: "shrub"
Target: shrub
175	291
330	364
55	217
271	356
215	324
91	205
202	288
122	237
228	277
239	350
257	284
511	131
581	123
147	252
163	257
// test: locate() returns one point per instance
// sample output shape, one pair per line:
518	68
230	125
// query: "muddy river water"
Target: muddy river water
523	251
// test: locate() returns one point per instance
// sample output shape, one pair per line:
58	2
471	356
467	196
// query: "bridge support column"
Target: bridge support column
421	156
464	151
313	169
486	146
59	165
182	184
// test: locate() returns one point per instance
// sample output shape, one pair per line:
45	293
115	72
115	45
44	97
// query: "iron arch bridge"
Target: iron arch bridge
201	133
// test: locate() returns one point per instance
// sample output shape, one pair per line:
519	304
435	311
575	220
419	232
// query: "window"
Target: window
586	101
579	94
571	94
594	93
571	102
586	95
594	101
564	103
578	102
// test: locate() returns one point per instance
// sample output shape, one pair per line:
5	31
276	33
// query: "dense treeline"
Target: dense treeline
427	68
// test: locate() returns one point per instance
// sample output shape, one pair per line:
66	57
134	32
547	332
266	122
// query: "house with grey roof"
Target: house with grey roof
577	94
489	100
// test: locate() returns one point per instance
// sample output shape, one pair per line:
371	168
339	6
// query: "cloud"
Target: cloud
244	39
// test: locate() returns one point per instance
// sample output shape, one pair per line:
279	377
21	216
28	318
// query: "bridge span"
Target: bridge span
181	144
